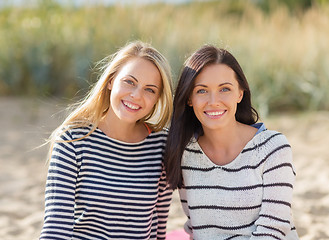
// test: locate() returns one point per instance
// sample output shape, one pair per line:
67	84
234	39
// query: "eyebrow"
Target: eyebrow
133	77
202	85
149	85
225	84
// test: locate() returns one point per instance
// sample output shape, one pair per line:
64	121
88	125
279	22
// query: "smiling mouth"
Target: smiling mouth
131	106
214	113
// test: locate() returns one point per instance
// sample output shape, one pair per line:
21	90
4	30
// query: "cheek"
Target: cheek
197	109
113	99
229	99
198	102
152	99
120	89
113	94
199	114
116	94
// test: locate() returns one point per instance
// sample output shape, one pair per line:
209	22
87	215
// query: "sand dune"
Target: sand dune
27	122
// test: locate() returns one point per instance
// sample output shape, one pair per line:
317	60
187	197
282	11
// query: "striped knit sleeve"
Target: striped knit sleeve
60	191
163	204
183	199
274	220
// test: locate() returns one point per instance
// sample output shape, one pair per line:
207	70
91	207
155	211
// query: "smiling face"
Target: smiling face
135	90
215	96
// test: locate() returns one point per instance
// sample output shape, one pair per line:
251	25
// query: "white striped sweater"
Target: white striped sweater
249	198
102	188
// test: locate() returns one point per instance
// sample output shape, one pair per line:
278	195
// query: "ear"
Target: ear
110	84
240	95
189	102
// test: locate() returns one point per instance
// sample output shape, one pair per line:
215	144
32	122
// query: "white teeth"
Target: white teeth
215	113
131	106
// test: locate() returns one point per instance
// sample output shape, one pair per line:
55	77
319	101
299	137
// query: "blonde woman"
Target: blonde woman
106	178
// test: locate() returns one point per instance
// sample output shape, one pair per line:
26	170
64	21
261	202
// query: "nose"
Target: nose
214	99
136	93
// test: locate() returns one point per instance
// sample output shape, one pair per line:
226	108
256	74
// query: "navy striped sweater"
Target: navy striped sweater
102	188
248	198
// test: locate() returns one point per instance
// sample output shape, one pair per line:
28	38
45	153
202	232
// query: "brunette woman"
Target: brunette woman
235	177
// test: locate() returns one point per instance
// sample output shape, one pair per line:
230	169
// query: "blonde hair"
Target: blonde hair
95	105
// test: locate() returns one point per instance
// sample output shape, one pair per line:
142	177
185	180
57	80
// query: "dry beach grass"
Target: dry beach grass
27	122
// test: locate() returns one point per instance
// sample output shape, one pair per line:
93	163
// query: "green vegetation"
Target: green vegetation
283	48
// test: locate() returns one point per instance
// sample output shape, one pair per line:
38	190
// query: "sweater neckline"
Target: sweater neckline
123	142
235	160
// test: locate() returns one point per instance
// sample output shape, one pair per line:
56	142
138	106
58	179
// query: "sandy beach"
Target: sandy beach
26	123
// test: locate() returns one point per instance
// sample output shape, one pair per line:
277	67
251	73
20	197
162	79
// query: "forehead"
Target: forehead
137	64
216	73
142	69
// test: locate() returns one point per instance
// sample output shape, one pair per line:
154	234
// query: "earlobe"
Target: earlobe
241	96
109	85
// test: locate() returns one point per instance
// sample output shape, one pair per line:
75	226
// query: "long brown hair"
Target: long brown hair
184	123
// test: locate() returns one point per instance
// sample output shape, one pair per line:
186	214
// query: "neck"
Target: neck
224	137
121	130
222	146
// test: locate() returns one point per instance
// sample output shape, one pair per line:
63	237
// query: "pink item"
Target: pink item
178	235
